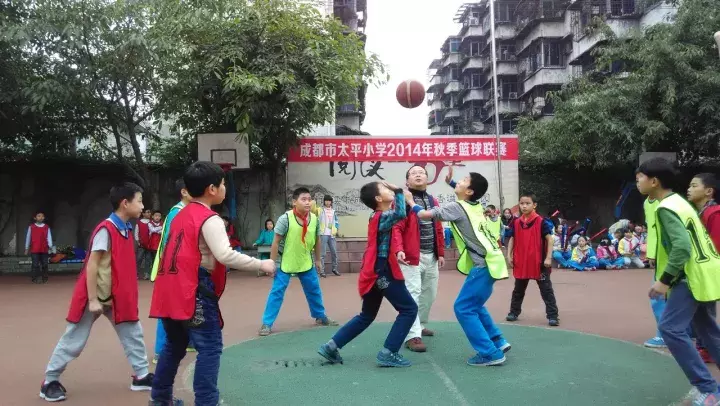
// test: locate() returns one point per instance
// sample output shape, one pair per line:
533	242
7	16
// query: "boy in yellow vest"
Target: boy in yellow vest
687	262
494	222
656	304
295	249
480	259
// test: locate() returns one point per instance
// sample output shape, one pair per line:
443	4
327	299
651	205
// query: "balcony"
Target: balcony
471	30
437	82
452	87
545	29
503	32
473	62
435	104
475	95
450	115
507	66
546	76
452	58
438	130
348	109
505	107
586	41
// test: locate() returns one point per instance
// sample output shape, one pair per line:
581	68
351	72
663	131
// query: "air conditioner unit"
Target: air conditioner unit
474	21
512	95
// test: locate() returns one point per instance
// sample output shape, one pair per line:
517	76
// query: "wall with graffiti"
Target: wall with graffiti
339	166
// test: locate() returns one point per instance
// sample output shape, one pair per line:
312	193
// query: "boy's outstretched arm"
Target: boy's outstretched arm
399	212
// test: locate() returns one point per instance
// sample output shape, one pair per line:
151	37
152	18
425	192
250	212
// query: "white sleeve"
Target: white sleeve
101	241
215	236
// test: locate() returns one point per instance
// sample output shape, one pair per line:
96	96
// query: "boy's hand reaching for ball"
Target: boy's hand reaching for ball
448	177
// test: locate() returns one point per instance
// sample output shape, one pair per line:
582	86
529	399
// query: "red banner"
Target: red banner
387	149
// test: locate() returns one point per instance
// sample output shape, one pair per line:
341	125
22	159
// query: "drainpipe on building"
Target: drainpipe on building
717	40
501	196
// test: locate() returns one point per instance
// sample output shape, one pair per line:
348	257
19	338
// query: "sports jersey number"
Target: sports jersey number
173	257
702	256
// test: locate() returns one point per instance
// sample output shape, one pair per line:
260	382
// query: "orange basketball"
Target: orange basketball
410	94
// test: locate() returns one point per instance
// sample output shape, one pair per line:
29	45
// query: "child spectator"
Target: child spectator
560	254
495	225
583	256
266	238
230	231
608	257
617	235
380	277
507	218
627	248
142	237
38	243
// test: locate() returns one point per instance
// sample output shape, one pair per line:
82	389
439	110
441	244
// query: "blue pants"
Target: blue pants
604	263
161	337
658	308
311	286
397	294
681	312
561	258
208	341
590	263
472	314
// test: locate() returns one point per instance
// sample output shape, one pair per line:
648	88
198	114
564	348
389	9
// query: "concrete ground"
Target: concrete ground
606	303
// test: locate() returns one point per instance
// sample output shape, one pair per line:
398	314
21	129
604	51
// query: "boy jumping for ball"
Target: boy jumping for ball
689	263
380	277
480	259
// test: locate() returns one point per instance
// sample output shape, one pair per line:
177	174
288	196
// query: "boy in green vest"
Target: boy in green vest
494	222
688	263
480	259
656	304
296	234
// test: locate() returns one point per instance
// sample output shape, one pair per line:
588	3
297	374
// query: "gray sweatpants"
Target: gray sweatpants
76	336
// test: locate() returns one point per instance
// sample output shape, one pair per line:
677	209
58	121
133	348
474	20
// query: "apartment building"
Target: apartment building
540	45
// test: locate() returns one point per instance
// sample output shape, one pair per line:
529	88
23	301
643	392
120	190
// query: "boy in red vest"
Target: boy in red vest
38	243
155	228
530	255
107	286
188	286
142	237
380	277
701	194
421	251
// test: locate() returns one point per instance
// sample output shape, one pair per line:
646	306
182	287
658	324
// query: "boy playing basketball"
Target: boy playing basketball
530	255
107	286
689	263
481	260
189	284
380	276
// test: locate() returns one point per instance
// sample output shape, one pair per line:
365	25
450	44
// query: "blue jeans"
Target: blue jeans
311	286
327	241
207	338
681	312
472	314
658	308
561	258
161	338
397	294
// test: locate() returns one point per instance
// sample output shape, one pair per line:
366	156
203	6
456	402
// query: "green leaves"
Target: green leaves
669	100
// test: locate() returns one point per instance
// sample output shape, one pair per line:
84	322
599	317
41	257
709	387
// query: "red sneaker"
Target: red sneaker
705	355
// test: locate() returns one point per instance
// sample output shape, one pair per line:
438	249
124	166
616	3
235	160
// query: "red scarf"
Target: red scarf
304	222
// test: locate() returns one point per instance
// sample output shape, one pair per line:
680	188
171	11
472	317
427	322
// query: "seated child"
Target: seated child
583	256
266	237
608	257
235	244
627	249
560	254
380	277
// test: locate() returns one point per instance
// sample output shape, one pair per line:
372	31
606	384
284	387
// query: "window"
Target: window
475	19
506	53
552	54
454	73
476	110
508	126
505	12
506	88
454	45
475	80
475	49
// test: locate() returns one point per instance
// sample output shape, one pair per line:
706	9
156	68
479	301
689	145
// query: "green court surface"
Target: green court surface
544	367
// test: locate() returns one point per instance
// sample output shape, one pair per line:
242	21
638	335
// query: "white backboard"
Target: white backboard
224	148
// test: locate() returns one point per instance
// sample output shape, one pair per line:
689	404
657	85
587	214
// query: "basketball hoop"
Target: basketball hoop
226	167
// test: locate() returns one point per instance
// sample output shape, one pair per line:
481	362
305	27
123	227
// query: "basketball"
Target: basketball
410	94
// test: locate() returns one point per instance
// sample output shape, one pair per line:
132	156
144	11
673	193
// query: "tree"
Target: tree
105	69
666	98
267	69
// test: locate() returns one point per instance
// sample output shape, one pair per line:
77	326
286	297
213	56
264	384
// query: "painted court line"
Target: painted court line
448	382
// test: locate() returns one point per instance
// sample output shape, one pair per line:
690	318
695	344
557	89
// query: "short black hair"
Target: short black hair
157	212
179	186
39	212
490	207
327	198
661	169
368	193
708	180
147	209
479	186
407	174
530	196
225	218
199	175
300	191
125	191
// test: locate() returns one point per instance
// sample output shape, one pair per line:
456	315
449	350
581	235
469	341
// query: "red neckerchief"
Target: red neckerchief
525	220
304	222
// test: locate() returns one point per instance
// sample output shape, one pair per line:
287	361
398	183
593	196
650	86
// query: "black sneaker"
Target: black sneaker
52	391
511	317
554	322
142	384
335	272
174	402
